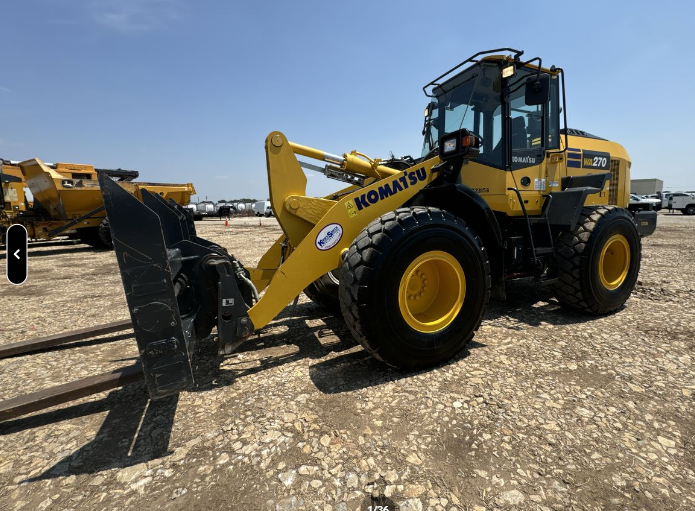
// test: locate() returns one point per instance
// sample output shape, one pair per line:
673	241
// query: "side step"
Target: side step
544	250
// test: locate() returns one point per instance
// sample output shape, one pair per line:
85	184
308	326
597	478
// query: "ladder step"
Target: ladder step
544	250
549	282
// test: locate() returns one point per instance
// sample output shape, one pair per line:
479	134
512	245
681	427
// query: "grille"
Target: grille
614	182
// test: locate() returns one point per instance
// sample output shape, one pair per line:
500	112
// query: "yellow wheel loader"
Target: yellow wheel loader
411	249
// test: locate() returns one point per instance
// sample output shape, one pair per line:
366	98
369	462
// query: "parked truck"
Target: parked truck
262	208
683	202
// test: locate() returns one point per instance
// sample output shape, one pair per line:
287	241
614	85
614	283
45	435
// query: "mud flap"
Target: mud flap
172	281
646	222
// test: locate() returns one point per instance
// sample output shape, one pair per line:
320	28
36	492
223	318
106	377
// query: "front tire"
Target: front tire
90	236
599	261
414	287
105	233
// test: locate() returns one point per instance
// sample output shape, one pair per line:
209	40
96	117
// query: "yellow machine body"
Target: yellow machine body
303	218
70	191
493	184
13	185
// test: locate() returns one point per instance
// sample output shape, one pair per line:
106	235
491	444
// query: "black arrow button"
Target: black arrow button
17	254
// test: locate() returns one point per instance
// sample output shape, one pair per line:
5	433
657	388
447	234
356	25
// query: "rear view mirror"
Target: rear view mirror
429	109
537	89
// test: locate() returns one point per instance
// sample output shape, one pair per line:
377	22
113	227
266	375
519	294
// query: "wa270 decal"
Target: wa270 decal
595	160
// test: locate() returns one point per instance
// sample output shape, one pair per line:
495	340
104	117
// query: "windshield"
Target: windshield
472	100
450	107
469	100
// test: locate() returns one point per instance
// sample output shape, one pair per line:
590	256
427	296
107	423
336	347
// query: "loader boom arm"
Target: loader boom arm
307	221
179	286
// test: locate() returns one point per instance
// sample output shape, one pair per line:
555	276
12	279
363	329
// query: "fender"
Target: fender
467	204
566	205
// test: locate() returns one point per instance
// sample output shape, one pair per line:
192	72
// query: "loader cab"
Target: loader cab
502	102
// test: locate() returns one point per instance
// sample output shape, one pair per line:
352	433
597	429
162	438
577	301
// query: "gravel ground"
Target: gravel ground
545	410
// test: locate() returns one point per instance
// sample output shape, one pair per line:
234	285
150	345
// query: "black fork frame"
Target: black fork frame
178	286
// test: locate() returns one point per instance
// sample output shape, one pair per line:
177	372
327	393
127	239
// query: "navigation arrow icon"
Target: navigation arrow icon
16	245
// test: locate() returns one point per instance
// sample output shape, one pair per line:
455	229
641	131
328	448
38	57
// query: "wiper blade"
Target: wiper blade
429	153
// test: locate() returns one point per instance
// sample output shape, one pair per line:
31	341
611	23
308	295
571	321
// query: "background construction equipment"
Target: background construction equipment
67	200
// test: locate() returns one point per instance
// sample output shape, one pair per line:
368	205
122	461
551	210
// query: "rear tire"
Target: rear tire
324	291
105	233
599	261
90	236
388	269
689	209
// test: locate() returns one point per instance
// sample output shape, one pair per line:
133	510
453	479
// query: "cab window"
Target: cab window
533	126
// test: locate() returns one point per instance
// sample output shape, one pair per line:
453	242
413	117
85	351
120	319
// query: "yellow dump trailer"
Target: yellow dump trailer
67	199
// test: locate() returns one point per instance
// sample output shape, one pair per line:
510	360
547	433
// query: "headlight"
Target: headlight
450	145
459	144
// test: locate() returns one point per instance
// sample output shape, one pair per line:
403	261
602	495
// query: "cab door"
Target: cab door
526	149
533	131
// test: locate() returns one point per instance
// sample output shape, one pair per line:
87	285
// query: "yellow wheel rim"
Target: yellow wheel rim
431	291
614	262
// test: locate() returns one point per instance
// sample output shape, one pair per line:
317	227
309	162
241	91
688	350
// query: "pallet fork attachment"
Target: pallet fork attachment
176	285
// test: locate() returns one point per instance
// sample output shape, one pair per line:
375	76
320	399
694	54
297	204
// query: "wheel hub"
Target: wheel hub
431	291
614	262
417	285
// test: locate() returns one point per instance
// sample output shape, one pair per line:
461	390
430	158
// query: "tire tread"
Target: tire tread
572	261
359	267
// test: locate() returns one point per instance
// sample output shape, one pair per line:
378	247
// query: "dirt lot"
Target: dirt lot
545	410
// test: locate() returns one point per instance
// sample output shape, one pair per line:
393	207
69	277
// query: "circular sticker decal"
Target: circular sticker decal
329	236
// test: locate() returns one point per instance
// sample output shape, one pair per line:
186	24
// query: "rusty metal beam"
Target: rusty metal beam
60	394
17	348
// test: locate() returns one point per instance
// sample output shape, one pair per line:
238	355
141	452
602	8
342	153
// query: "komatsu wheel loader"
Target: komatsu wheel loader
412	249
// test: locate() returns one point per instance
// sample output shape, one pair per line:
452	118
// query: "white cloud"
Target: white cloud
5	143
135	15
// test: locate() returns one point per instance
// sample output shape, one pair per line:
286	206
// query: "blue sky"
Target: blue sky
187	91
